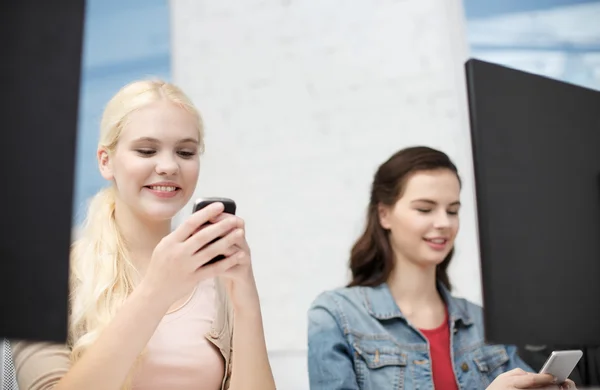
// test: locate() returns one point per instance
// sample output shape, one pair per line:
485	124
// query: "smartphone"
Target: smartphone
560	364
230	208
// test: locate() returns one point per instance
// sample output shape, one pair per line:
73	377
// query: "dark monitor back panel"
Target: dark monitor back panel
40	74
536	151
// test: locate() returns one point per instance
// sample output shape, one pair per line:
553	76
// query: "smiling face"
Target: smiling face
155	164
423	222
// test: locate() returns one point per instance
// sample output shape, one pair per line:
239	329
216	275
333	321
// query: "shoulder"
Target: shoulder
338	307
467	305
466	308
326	315
339	299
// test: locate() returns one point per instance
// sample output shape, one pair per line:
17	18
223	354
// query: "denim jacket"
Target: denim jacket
359	339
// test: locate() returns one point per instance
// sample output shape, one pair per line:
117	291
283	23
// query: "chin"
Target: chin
434	259
161	214
432	262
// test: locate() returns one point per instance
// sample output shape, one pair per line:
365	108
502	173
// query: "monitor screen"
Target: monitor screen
40	70
536	155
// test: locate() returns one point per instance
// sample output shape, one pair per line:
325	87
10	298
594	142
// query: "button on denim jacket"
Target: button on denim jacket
359	339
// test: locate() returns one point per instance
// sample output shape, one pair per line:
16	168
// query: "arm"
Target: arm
250	362
106	364
250	368
330	365
44	366
177	264
39	365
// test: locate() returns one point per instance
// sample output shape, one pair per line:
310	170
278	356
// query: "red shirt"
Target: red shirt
441	359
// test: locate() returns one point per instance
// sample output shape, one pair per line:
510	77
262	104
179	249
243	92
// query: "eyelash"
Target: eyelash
424	211
149	152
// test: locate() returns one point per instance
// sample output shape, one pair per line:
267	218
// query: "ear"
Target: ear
104	164
384	216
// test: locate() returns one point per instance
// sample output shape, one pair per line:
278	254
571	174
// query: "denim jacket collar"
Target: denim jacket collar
381	304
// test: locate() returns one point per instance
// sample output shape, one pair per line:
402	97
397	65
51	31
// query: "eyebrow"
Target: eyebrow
156	141
456	203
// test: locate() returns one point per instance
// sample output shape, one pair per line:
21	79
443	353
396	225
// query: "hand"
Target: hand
239	278
177	263
519	379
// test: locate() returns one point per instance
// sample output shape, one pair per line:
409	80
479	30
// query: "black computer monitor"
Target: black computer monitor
40	74
536	154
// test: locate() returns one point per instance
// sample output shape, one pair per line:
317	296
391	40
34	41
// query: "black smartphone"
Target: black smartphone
230	208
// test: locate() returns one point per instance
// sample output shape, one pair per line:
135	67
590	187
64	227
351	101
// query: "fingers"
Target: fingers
215	269
232	250
516	371
208	234
231	219
222	216
239	241
533	381
568	385
222	246
197	219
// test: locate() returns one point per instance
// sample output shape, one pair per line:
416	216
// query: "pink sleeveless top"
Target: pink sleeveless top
178	355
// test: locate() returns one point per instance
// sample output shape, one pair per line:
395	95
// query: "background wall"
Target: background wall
555	38
302	101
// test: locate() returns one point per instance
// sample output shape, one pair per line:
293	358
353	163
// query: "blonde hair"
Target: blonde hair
102	275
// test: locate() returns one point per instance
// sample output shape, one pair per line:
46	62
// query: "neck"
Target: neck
141	236
413	286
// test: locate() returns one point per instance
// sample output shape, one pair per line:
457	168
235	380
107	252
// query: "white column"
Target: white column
302	101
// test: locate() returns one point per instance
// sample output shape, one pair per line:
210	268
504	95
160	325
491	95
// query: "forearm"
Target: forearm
250	361
107	362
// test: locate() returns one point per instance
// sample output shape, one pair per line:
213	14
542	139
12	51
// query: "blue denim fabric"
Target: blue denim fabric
359	339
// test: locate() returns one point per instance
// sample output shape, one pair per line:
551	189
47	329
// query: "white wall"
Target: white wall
302	101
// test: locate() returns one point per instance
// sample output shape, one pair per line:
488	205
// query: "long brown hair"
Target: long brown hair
371	258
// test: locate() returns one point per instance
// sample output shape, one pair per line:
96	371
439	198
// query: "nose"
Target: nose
166	165
442	220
